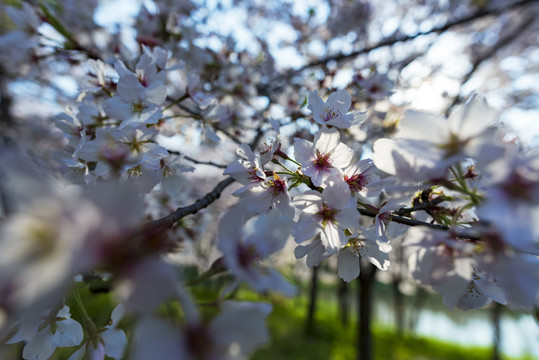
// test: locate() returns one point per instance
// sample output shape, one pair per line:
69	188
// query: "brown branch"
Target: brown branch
205	201
403	38
422	206
459	232
211	163
487	55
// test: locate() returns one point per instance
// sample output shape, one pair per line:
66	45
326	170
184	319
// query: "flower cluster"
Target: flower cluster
100	198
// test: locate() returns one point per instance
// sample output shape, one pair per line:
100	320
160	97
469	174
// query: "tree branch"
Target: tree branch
459	232
205	201
402	38
487	55
211	163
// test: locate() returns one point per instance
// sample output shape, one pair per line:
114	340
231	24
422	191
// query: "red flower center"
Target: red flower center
322	161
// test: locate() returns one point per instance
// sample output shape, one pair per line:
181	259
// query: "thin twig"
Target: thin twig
487	55
403	38
204	162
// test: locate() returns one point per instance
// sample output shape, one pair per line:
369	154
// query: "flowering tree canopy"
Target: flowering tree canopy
118	140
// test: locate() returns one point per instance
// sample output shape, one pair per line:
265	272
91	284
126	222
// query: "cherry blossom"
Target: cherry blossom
245	247
334	112
43	338
328	213
111	341
349	257
323	159
426	144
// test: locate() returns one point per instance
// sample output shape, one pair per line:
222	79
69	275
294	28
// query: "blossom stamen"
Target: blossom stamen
138	106
322	161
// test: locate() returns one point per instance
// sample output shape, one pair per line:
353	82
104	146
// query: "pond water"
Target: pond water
519	332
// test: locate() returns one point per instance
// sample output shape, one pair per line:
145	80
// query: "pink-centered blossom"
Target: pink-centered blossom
233	334
427	144
139	95
244	246
324	158
349	257
333	112
271	194
441	261
247	170
326	214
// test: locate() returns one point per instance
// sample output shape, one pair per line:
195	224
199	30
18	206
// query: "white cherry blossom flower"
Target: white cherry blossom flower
374	87
248	170
426	144
324	158
349	257
245	246
334	112
327	214
140	95
43	338
441	261
233	334
358	176
269	195
111	341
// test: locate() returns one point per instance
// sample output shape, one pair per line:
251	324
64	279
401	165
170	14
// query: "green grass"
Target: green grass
330	340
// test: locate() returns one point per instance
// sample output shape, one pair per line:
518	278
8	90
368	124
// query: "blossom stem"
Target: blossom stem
180	99
289	172
294	161
87	321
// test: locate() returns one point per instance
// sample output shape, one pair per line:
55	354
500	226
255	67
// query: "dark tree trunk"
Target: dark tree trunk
364	343
398	305
419	299
344	303
309	326
496	314
398	298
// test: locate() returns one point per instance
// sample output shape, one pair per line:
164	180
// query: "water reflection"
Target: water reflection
519	333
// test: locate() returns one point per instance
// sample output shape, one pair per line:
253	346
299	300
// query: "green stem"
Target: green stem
289	172
294	161
182	98
88	323
57	25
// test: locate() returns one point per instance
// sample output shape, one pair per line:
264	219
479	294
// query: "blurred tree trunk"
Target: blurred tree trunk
415	309
364	341
343	291
398	298
309	326
398	305
496	314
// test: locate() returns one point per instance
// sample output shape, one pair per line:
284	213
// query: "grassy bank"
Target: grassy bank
330	340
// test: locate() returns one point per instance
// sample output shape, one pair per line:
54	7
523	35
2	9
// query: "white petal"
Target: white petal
242	323
303	151
306	228
70	332
41	346
331	238
156	93
347	265
79	354
341	156
115	343
419	125
310	201
325	140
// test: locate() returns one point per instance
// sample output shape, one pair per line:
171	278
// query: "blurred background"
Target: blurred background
259	59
